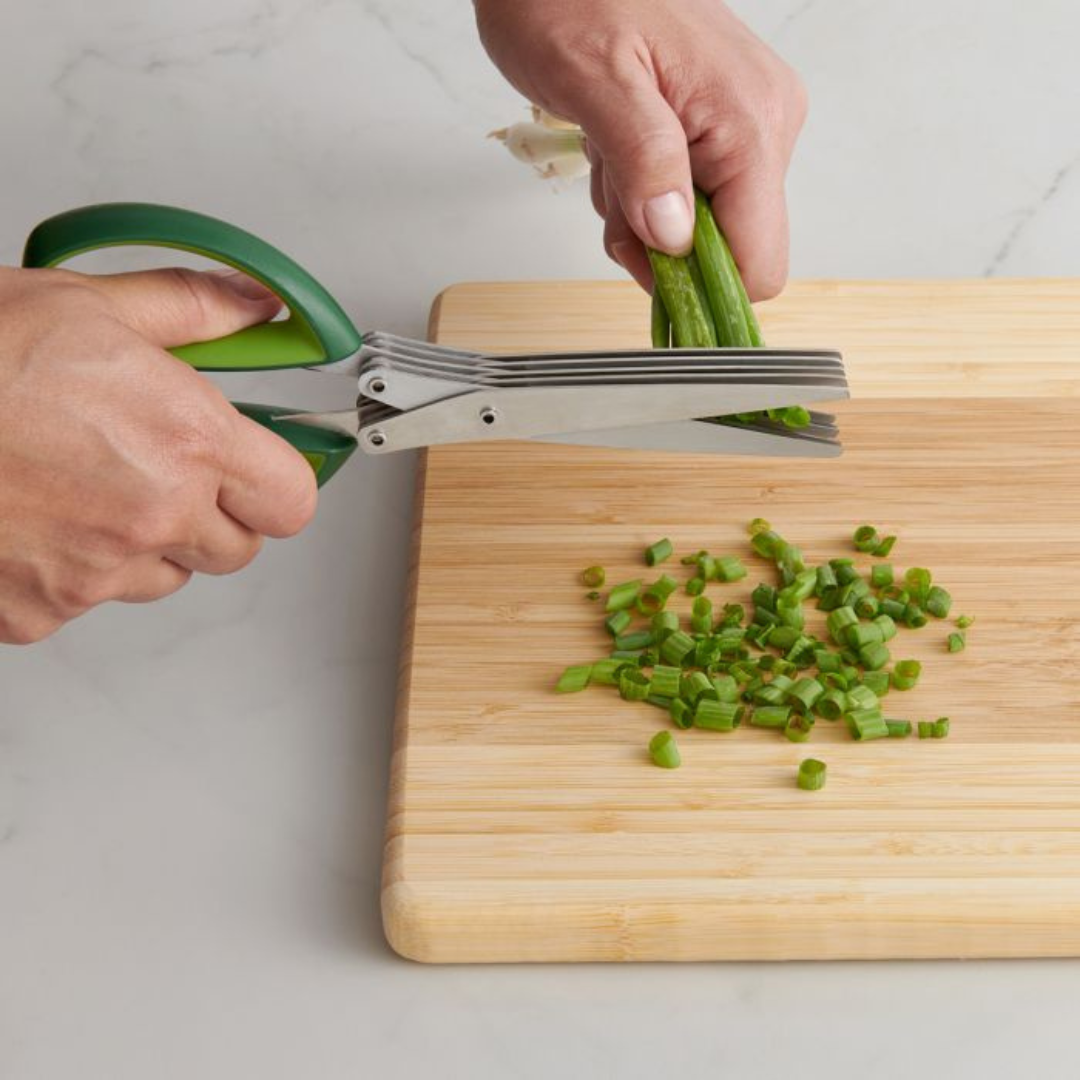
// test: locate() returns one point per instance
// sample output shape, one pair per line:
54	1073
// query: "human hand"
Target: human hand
669	94
122	470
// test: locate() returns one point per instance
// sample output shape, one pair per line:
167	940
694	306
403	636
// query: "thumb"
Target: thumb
179	306
646	161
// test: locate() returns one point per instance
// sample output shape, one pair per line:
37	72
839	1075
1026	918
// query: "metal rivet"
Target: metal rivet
489	415
376	438
377	386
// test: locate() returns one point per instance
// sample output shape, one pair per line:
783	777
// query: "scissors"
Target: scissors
410	394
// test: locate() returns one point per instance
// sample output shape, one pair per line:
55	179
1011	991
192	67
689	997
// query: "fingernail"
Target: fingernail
241	284
670	223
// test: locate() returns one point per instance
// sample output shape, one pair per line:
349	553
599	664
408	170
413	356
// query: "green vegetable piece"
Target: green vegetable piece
666	680
719	278
881	575
696	685
898	729
884	549
653	598
758	525
605	672
624	595
866	724
691	328
906	674
860	635
938	602
926	729
831	705
862	697
682	715
811	775
695	586
770	716
866	538
658	552
617	622
886	625
660	324
726	687
873	657
940	728
805	693
730	568
915	617
878	682
965	621
574	678
676	647
664	751
957	642
633	684
593	577
798	727
917	580
636	639
718	715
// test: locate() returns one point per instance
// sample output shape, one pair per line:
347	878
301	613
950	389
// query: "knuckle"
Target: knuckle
300	498
76	595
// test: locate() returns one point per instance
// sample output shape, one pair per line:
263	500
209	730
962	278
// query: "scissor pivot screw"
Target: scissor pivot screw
377	386
489	415
376	438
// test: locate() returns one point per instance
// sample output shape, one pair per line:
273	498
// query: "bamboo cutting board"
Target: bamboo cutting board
525	825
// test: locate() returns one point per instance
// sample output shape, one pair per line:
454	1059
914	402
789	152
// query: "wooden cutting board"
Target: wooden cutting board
525	825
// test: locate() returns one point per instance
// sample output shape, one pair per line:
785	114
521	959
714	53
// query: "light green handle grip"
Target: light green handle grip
317	330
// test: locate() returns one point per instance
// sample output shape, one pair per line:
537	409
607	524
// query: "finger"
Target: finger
624	247
596	187
178	307
646	161
751	209
266	485
220	545
150	578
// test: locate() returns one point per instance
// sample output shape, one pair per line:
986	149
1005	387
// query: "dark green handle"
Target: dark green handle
317	330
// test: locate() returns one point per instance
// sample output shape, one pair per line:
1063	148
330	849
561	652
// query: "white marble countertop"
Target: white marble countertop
192	794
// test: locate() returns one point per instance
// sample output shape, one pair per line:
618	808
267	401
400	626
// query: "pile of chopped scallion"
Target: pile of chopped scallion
763	667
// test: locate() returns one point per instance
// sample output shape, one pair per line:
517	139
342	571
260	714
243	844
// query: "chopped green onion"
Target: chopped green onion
706	565
718	715
838	620
827	660
696	685
770	716
594	595
593	577
860	635
695	586
886	625
655	596
798	727
633	684
873	657
730	568
957	642
666	680
906	674
574	678
682	715
898	729
765	543
636	639
881	574
660	324
884	549
664	751
861	697
866	724
658	552
926	729
758	525
632	656
831	705
805	693
662	624
676	646
917	580
940	728
824	578
914	616
660	701
811	775
878	682
938	602
965	621
617	622
726	687
605	672
866	538
624	595
867	607
790	614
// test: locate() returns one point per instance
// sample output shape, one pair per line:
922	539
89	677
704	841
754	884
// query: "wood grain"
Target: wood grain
529	826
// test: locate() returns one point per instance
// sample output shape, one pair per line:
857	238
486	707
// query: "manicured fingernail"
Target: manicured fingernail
670	223
241	284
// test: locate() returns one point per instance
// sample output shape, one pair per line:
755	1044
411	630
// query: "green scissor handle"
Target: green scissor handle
317	331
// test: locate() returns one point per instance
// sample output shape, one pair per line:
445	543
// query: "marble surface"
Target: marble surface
192	794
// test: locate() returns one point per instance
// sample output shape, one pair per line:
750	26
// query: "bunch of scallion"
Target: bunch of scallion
699	302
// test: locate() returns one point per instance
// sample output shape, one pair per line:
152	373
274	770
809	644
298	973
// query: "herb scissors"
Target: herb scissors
411	393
